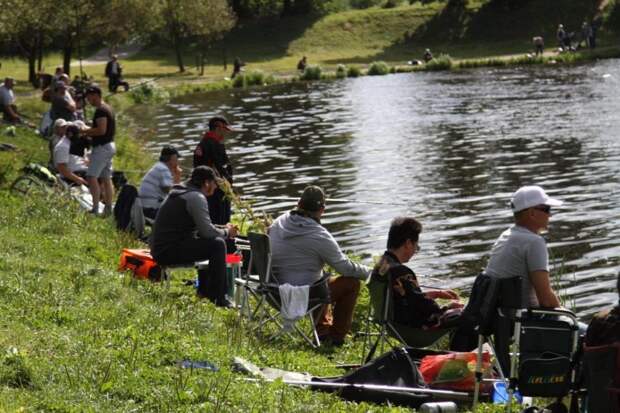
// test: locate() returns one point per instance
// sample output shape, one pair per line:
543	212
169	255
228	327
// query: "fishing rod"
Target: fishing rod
339	200
361	386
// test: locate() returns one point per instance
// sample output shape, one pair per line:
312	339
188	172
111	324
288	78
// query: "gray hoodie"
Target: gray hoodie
300	247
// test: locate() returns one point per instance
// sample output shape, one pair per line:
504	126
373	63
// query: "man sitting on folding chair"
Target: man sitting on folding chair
300	248
412	306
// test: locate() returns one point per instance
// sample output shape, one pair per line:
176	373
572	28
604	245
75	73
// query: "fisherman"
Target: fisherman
412	306
63	105
520	251
7	102
301	247
211	152
71	166
539	45
561	36
237	65
586	34
100	167
159	180
183	234
427	56
114	73
301	65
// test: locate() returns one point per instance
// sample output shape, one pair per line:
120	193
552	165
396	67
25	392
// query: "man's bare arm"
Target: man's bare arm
544	293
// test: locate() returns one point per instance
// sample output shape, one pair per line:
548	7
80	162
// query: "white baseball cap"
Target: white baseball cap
530	196
61	123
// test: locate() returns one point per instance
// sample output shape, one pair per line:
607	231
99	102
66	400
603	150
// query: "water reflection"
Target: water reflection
449	148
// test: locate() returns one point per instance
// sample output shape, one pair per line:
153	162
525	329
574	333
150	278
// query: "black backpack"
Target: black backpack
122	209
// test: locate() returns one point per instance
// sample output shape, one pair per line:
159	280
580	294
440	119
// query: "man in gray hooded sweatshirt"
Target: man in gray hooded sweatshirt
300	247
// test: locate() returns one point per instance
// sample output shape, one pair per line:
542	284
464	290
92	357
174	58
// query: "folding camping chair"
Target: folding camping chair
265	290
536	346
602	372
381	314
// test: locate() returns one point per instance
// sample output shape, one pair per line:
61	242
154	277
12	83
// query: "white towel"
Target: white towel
294	304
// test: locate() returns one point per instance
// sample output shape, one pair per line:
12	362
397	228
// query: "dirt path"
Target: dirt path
103	55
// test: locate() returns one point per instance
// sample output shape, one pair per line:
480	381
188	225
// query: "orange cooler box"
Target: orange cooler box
141	263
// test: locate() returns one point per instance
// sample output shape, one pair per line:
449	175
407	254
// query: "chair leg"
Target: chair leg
478	373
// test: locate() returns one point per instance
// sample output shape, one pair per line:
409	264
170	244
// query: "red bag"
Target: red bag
453	371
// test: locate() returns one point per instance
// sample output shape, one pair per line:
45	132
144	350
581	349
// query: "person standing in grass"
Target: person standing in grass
302	64
114	73
102	134
211	152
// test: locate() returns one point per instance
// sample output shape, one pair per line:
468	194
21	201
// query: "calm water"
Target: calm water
448	148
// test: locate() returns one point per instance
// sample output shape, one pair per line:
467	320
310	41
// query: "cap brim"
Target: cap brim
553	202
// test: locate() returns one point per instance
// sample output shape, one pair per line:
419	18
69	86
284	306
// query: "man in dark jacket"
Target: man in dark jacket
184	212
412	306
211	152
114	73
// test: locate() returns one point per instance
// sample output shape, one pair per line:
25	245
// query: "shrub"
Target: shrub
14	370
149	92
442	62
252	78
353	71
311	73
390	4
341	72
378	69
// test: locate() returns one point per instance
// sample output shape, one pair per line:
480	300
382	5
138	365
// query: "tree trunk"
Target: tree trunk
67	51
32	73
177	50
40	53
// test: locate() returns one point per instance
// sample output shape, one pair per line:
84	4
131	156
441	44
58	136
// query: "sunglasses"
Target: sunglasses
544	208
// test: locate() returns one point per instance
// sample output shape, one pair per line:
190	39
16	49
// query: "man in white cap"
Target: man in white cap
521	251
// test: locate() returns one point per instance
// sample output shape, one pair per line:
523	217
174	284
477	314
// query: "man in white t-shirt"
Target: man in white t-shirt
7	102
521	251
71	167
158	180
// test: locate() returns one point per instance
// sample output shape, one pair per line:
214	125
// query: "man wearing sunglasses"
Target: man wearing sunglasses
521	251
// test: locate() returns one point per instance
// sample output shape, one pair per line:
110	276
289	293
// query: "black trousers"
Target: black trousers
212	282
114	81
219	208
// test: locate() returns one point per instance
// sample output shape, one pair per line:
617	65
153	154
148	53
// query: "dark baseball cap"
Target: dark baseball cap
222	119
312	199
169	150
93	89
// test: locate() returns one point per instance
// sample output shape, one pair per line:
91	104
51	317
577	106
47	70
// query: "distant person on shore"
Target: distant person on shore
237	65
183	234
158	180
102	133
596	24
560	35
7	102
211	152
70	165
586	34
539	45
302	64
427	56
114	73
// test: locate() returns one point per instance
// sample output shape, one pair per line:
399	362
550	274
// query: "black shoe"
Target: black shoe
225	303
331	341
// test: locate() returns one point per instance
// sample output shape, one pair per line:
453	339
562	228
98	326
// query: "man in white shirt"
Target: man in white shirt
7	102
71	167
158	180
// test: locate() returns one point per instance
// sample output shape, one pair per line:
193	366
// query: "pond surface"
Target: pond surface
448	148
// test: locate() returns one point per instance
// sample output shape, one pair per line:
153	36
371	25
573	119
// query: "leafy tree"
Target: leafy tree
27	25
182	21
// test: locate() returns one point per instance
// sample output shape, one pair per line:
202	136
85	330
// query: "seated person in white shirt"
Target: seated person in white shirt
158	180
69	155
